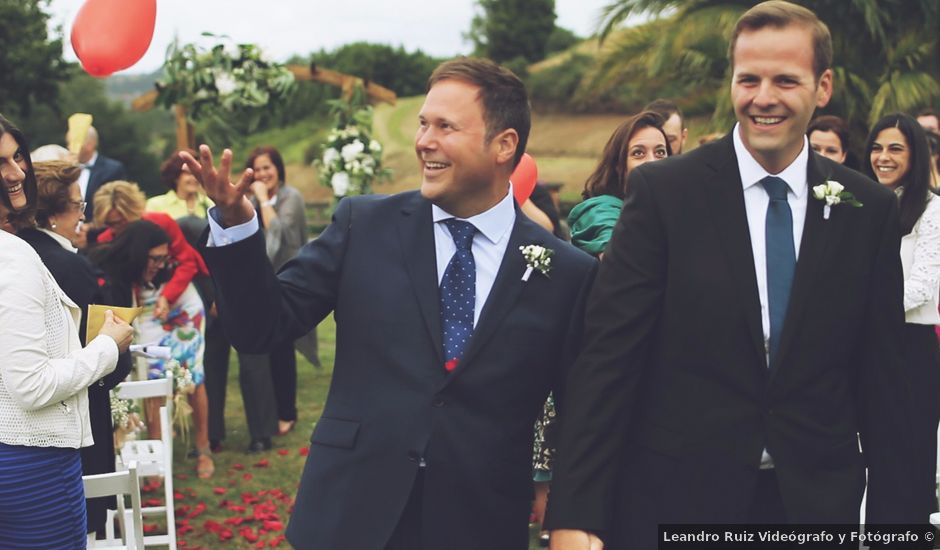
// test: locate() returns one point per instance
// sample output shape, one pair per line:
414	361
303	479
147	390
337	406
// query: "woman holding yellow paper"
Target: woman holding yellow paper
44	378
59	213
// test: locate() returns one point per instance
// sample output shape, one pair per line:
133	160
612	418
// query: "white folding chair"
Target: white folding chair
154	457
119	484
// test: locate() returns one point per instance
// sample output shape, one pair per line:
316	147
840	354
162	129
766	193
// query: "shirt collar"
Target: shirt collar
63	242
752	172
91	162
493	223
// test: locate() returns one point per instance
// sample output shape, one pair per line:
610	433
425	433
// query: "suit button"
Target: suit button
438	402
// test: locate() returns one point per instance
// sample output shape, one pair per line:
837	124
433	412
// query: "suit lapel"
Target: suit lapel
506	288
725	193
818	237
416	231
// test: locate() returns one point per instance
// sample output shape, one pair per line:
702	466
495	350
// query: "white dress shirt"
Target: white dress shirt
86	172
489	242
756	201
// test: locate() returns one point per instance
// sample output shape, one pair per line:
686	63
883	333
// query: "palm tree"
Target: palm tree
886	53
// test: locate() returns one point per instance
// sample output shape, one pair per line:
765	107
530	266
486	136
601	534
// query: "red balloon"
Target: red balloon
111	35
523	178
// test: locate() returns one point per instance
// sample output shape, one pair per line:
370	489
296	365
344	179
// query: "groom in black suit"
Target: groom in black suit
446	343
740	358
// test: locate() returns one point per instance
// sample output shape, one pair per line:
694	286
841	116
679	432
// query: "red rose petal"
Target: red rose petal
236	508
273	525
150	527
283	452
212	526
178	496
198	510
152	502
263	463
247	476
238	466
248	534
276	541
219	490
261	544
238	520
226	534
304	451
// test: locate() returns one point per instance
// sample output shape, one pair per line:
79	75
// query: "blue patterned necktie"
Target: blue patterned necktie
781	257
458	293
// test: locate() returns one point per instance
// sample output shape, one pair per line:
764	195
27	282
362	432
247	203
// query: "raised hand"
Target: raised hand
228	197
573	539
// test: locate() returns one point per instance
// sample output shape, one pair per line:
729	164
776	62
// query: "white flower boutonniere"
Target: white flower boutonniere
536	257
834	194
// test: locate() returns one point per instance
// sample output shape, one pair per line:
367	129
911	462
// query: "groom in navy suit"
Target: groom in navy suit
446	343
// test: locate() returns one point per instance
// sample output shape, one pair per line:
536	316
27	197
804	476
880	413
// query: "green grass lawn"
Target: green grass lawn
247	503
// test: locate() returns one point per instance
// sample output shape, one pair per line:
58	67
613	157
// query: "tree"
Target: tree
886	53
405	73
511	29
31	63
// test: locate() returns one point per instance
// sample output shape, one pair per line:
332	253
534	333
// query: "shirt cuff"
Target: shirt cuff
221	236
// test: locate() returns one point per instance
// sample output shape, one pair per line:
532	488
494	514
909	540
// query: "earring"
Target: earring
52	224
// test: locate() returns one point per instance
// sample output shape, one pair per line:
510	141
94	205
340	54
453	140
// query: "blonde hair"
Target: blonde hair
120	195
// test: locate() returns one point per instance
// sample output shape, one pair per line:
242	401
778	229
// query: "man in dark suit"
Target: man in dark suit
446	342
97	170
741	335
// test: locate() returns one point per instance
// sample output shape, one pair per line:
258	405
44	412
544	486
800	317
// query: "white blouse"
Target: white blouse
920	258
44	371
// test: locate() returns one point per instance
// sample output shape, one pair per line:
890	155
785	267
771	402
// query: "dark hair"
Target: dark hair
916	181
53	179
23	217
831	123
780	14
275	157
610	177
927	111
124	259
933	143
503	96
665	108
172	167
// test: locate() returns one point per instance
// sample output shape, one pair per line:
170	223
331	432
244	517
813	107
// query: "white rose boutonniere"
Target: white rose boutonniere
536	258
834	194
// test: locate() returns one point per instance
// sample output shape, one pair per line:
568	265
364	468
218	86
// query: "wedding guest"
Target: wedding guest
673	123
44	378
118	204
281	210
185	196
59	214
829	136
929	120
638	140
899	158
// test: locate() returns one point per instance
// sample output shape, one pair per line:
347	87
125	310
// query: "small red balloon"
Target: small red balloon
523	178
111	35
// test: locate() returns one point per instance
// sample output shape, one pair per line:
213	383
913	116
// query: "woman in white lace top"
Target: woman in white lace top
44	376
898	157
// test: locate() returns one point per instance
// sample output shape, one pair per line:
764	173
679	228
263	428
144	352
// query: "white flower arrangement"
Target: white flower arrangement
124	414
351	160
224	80
537	258
834	194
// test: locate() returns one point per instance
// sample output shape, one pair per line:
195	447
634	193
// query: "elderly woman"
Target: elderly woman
174	314
59	215
44	378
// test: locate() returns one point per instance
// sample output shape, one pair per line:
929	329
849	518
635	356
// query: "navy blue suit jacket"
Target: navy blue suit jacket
104	170
392	408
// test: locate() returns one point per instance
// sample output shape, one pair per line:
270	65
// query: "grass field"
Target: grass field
248	502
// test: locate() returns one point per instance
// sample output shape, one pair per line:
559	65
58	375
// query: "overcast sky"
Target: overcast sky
285	27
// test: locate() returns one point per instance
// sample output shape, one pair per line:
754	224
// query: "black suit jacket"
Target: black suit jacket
671	401
392	408
104	170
